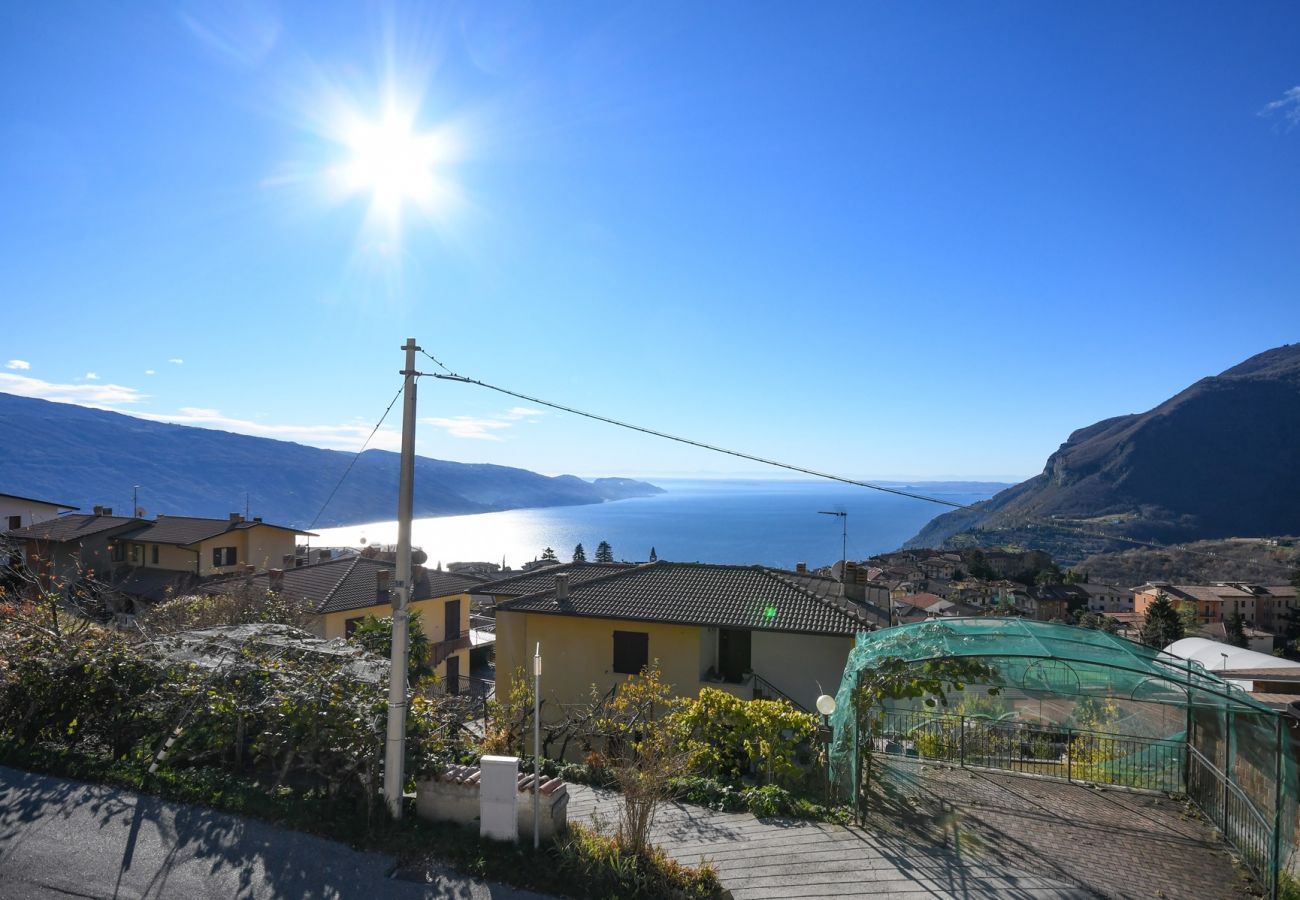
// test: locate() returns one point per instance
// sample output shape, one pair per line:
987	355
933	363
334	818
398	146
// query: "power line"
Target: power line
1030	522
348	470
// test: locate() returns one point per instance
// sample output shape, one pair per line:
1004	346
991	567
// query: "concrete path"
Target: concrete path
61	839
955	833
774	858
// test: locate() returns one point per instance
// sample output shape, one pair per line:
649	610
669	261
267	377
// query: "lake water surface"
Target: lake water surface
770	522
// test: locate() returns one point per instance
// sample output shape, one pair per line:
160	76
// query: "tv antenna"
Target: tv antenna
844	540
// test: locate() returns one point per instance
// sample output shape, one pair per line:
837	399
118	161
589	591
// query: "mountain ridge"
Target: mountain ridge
75	454
1213	461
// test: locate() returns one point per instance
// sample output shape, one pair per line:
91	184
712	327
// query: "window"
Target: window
119	552
15	522
631	652
223	556
155	554
350	625
137	554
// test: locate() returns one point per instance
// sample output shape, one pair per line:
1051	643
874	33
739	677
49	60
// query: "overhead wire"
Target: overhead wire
449	375
357	455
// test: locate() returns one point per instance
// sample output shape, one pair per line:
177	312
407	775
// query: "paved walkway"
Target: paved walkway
954	833
61	838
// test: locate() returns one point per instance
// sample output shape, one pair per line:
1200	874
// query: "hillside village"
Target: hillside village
754	633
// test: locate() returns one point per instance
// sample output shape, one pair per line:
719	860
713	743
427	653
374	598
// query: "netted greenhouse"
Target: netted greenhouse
1078	704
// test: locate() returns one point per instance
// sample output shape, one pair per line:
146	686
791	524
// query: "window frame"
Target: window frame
224	553
634	643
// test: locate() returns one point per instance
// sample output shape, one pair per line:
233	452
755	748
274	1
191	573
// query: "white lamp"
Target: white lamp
826	705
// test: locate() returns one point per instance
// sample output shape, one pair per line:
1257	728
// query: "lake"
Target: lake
735	521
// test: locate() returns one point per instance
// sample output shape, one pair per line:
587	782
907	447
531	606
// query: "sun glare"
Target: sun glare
396	166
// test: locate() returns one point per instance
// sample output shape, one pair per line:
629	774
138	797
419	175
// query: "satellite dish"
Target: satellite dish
419	557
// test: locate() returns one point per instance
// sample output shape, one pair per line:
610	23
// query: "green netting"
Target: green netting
1061	687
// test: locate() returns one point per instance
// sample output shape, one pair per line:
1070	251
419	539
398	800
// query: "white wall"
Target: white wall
795	663
30	511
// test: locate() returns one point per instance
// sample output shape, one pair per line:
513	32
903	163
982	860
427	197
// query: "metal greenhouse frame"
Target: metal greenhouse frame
1179	728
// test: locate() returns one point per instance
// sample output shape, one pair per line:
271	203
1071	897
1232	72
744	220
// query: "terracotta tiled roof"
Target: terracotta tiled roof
752	597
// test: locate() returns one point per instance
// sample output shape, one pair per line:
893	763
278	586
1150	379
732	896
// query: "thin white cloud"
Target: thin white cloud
176	361
484	428
347	436
92	376
469	427
18	364
1288	107
150	372
103	396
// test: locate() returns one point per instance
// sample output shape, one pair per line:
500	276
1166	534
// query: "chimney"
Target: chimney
236	517
257	519
99	510
801	567
562	586
277	580
382	578
418	574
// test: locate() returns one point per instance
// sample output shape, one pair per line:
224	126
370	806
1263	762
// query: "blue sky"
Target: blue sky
889	240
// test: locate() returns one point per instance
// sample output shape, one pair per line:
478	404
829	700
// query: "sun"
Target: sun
396	165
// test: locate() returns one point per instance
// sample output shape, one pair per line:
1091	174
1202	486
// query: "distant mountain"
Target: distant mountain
1218	460
89	457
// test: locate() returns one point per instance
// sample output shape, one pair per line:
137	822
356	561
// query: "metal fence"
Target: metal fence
1233	813
1072	754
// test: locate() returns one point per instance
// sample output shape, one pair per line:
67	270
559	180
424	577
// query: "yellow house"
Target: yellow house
344	591
755	631
206	547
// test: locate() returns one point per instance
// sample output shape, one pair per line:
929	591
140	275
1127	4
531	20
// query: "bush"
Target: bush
711	793
727	735
600	866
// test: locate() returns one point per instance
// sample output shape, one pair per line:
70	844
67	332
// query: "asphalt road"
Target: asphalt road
61	839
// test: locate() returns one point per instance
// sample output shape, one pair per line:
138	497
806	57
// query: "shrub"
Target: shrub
727	735
604	867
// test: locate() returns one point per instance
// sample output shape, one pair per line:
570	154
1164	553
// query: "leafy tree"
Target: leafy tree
1235	630
376	635
979	567
1163	625
579	554
653	556
548	553
604	552
643	751
1099	622
1050	575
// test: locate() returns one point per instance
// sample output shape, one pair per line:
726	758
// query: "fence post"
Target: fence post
961	742
1069	755
1275	871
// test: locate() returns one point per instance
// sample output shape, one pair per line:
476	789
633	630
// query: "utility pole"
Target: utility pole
844	542
395	740
135	501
